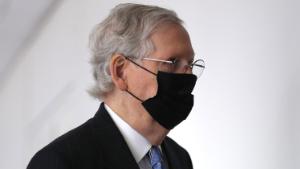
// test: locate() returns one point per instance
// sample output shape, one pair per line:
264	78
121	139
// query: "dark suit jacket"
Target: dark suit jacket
98	144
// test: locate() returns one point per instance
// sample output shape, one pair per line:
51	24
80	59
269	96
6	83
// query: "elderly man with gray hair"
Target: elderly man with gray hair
144	70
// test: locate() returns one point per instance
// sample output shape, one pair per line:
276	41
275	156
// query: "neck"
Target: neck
134	114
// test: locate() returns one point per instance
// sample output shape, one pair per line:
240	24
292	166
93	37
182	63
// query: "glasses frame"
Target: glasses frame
191	65
169	62
173	62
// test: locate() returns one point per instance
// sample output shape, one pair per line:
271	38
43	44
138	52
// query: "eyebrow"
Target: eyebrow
189	59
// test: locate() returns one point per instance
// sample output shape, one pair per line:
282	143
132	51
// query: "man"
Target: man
144	68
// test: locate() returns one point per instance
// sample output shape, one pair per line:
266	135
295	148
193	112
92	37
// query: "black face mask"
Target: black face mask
173	101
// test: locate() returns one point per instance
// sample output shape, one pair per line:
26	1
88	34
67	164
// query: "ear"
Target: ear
117	66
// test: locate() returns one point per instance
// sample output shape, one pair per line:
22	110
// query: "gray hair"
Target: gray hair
127	31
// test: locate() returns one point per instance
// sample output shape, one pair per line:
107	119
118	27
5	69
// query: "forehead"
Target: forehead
172	40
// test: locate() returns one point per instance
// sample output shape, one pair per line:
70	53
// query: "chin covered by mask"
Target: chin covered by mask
173	101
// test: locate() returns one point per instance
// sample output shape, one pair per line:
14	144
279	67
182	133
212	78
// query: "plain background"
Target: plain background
246	113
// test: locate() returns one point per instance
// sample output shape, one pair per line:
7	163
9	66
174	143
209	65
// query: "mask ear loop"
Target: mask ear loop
134	96
143	69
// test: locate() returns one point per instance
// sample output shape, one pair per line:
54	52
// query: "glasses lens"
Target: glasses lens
198	67
166	67
176	66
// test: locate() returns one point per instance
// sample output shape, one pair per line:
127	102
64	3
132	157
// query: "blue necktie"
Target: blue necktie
156	158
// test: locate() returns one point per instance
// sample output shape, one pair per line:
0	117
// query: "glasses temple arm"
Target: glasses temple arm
140	66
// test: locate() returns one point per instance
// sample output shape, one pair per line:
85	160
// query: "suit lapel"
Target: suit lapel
172	159
112	146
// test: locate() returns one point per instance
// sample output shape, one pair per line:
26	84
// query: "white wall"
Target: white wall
246	113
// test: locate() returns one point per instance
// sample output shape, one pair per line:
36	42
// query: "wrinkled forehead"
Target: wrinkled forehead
172	41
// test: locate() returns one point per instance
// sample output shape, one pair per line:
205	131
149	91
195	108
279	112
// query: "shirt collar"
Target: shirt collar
138	144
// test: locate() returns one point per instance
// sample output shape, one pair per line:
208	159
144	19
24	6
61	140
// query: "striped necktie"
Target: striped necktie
156	158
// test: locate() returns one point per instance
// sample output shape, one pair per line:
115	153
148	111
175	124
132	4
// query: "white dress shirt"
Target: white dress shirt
138	144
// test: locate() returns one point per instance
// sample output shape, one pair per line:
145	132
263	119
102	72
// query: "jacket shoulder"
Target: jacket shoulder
71	150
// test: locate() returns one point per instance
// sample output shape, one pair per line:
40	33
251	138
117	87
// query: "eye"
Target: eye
173	60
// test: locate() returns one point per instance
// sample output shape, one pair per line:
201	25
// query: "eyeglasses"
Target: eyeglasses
180	66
